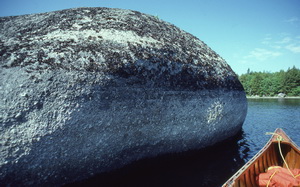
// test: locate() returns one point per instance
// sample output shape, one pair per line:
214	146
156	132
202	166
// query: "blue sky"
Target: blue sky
263	35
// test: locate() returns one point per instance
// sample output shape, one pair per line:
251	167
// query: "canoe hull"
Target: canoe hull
268	156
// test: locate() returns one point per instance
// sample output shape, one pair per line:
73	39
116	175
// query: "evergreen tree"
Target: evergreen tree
271	84
291	81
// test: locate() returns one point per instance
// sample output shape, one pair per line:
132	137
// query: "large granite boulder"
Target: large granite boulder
88	90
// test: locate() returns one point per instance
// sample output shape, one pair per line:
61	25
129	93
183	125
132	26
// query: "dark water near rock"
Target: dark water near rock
214	165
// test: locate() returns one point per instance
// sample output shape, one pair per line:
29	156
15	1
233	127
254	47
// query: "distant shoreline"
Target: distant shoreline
275	97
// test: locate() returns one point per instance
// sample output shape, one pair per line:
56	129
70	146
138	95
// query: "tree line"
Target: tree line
272	84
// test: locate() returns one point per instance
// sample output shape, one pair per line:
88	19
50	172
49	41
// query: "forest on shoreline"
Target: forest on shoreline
272	84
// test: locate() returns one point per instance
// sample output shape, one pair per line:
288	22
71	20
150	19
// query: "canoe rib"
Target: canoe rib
268	156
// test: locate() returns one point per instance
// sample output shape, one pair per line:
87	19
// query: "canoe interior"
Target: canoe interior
268	156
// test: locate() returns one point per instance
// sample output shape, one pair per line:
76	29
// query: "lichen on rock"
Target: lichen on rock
107	86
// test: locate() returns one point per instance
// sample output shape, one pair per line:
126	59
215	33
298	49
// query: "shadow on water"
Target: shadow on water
210	166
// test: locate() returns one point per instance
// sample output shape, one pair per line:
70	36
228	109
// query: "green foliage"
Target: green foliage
271	84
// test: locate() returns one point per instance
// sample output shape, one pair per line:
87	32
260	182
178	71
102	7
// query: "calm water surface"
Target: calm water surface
214	165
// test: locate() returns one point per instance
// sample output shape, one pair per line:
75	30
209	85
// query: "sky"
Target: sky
260	35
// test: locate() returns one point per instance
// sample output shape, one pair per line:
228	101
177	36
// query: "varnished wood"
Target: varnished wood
268	156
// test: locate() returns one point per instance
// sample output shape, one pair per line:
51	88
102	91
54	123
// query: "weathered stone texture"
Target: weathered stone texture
88	90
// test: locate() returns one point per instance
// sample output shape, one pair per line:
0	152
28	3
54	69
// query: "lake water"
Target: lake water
214	165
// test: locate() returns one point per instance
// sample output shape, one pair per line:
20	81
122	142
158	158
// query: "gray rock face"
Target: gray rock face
88	90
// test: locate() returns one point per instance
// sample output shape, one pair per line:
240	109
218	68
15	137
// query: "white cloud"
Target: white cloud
292	20
266	40
294	48
285	40
262	54
276	46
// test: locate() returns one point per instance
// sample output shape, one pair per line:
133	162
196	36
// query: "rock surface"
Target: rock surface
88	90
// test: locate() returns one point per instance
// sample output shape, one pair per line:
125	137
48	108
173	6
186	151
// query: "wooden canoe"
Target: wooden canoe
268	156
